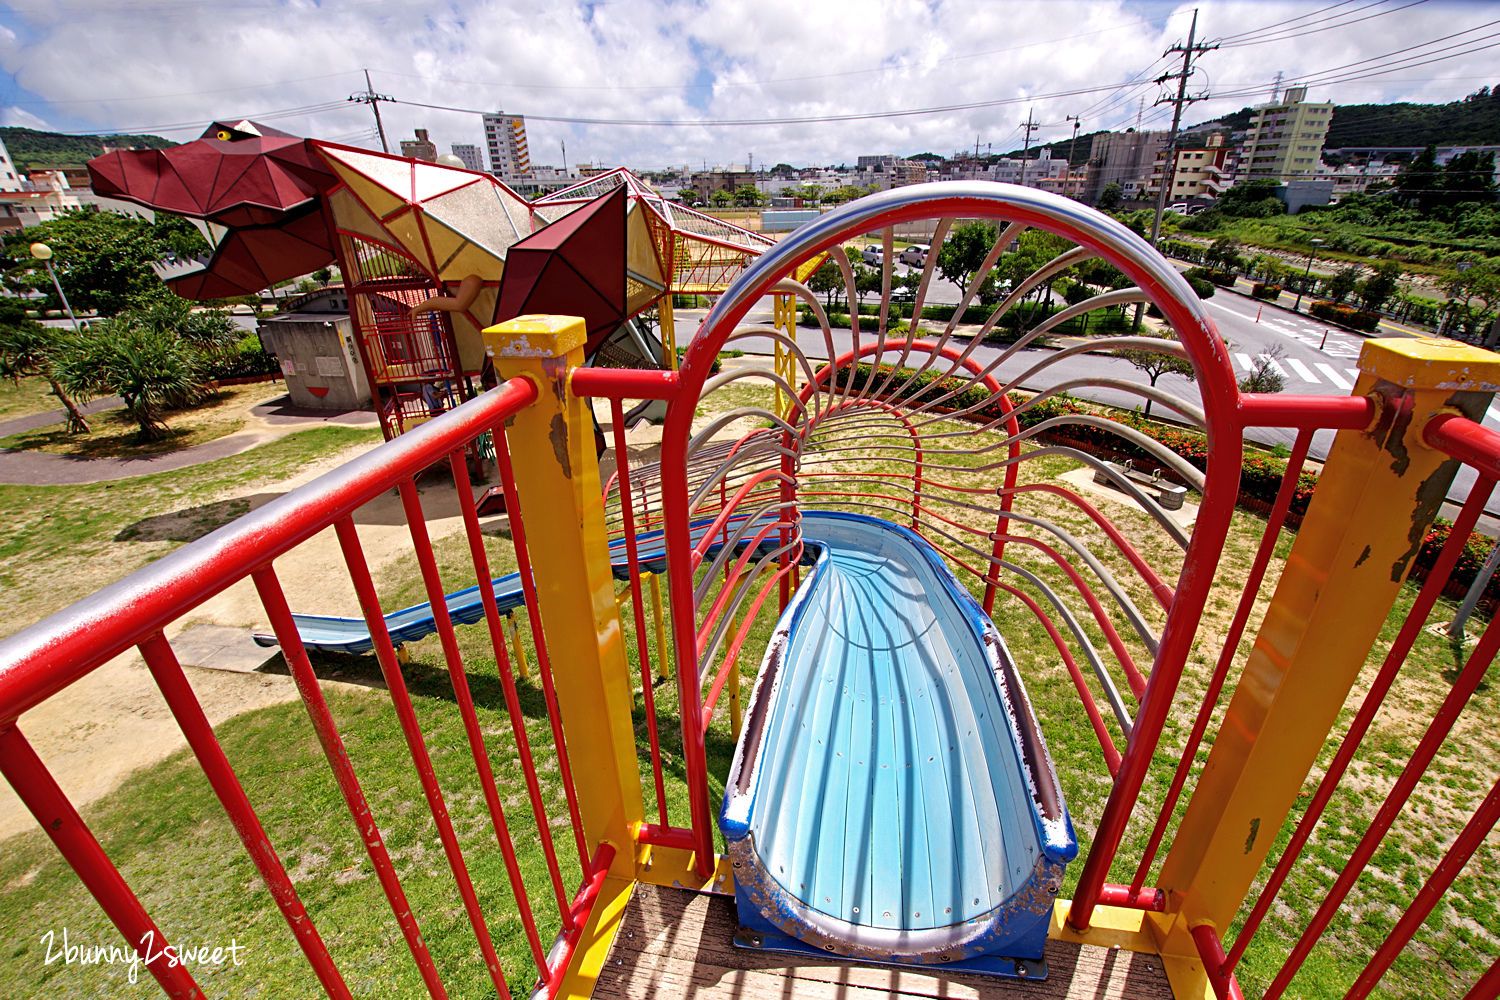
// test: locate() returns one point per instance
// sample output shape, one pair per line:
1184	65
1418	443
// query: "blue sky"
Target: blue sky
171	66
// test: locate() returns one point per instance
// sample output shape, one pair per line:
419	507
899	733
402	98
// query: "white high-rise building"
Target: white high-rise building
506	137
469	154
10	180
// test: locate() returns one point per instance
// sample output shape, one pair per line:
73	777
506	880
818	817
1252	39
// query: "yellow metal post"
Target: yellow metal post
663	654
668	323
784	318
1376	497
557	478
518	651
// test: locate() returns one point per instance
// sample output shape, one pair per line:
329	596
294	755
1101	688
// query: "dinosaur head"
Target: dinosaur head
261	187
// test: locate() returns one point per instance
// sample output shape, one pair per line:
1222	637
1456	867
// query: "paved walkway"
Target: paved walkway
267	422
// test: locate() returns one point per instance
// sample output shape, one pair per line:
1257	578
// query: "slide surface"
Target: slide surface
891	797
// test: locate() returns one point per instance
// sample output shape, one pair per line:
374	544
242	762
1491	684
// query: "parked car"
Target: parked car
915	255
873	254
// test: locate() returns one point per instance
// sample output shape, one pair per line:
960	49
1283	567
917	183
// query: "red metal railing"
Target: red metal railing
43	660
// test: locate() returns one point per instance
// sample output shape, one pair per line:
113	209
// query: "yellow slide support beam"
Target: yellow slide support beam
557	478
1377	495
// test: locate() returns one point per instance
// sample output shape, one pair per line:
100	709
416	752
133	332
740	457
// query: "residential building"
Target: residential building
730	178
505	135
44	196
469	154
10	178
1199	170
1285	139
1123	158
420	148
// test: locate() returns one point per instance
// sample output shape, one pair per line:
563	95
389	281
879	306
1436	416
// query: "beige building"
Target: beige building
420	148
1285	140
1199	171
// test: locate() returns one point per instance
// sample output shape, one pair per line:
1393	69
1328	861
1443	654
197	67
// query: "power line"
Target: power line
1299	33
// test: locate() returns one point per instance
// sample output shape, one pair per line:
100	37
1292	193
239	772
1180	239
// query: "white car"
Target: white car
873	254
915	255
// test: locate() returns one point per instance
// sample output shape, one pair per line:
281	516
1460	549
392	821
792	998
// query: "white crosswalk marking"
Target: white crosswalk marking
1245	362
1493	413
1353	374
1305	372
1271	363
1334	376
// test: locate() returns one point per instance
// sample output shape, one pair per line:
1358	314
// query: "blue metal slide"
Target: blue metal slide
891	798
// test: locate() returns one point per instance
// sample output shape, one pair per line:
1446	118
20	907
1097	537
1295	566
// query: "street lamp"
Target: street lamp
1310	254
43	253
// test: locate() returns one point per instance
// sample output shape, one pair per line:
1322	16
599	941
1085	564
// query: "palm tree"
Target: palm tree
29	348
150	367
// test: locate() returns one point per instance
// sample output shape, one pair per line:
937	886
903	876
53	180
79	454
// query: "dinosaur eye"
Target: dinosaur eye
223	134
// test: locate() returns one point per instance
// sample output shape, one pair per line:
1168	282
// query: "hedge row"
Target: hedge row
1359	319
1261	290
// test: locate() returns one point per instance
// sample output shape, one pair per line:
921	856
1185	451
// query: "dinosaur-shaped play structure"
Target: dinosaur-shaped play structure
432	254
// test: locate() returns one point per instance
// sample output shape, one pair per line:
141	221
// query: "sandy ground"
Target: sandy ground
96	732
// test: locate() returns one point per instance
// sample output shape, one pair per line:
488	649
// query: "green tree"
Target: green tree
1266	376
688	196
812	193
1473	298
720	199
102	259
1224	255
964	250
150	369
1418	183
827	281
1251	200
1376	290
1156	364
747	196
1110	197
29	348
1342	284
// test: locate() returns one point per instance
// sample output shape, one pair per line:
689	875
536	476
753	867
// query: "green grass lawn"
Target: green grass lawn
173	843
59	543
25	396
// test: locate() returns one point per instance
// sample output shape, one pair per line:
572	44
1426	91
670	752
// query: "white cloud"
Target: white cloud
122	64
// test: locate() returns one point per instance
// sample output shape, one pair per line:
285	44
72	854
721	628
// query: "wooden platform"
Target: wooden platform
676	943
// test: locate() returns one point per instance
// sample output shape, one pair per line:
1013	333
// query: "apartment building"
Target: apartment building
505	136
1285	139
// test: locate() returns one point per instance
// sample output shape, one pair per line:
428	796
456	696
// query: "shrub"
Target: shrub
1358	319
1265	291
246	359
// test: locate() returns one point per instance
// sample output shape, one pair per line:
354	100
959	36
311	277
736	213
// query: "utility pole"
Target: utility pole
1276	88
373	100
1188	52
565	157
1030	126
1068	171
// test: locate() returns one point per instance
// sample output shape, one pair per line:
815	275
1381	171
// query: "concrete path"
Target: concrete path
267	422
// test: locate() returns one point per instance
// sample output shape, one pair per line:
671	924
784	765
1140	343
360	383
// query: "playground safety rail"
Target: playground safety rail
43	660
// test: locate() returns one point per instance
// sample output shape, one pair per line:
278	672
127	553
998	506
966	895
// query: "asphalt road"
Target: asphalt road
1314	358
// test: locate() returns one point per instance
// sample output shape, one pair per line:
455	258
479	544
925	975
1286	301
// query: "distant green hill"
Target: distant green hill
1473	121
34	150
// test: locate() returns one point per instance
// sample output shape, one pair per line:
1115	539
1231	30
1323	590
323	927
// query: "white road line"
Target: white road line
1245	362
1353	374
1273	364
1334	376
1302	370
1493	413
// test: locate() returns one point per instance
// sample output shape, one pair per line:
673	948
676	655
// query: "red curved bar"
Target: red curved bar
1466	441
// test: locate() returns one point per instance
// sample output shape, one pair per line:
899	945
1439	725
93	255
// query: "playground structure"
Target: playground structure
431	254
909	435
